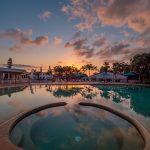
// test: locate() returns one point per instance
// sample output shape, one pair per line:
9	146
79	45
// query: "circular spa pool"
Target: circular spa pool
75	128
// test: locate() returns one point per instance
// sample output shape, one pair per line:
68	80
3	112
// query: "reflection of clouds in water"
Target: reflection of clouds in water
91	125
53	111
43	113
75	111
124	139
17	104
131	100
56	111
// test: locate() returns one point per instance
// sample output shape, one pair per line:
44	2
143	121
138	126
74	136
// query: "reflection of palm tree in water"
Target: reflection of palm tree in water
88	92
31	89
116	92
49	89
65	91
105	94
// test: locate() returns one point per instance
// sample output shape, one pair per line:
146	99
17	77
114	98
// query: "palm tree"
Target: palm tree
89	68
58	70
115	68
9	63
105	67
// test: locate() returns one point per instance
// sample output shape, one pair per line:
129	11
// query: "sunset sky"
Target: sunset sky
66	32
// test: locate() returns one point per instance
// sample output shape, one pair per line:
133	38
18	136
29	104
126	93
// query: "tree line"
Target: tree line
140	64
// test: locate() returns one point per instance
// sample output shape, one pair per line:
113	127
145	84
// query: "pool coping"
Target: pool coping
72	83
7	127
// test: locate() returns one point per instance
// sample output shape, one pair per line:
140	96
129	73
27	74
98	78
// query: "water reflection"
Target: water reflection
64	90
71	91
136	98
76	128
129	99
9	91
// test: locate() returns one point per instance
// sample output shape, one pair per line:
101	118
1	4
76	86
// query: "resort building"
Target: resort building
108	77
40	75
12	74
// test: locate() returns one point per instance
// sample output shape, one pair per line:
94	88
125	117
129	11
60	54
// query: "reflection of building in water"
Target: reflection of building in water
9	91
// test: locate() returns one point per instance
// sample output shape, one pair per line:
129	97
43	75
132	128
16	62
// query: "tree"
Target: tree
49	71
120	67
141	64
9	63
89	68
105	67
58	70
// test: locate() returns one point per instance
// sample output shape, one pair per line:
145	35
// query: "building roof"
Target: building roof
131	74
109	75
12	70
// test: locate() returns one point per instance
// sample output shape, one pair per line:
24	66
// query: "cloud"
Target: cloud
41	40
15	48
15	34
22	66
77	35
134	13
22	38
82	9
122	14
86	46
125	33
100	41
57	41
60	62
120	51
45	15
116	49
81	48
68	45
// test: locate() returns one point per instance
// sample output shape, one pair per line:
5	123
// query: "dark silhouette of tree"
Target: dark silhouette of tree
89	68
105	67
141	64
9	63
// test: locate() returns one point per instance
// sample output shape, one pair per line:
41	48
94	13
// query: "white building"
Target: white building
40	76
108	77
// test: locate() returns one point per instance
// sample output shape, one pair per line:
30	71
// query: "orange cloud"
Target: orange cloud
57	40
134	13
41	40
22	38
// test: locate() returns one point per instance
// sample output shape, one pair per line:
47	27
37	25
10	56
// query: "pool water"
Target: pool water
132	100
75	128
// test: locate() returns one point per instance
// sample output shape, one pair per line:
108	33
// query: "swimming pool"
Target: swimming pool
132	100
